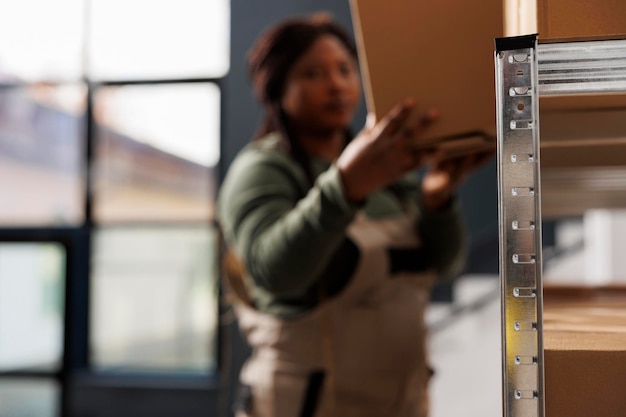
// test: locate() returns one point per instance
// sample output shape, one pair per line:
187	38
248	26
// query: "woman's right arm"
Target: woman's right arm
284	239
286	242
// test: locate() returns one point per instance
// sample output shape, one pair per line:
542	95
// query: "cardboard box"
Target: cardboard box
585	351
438	52
556	19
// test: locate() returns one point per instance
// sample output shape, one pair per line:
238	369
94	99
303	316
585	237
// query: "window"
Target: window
41	40
152	306
110	130
29	397
156	152
175	39
41	163
32	293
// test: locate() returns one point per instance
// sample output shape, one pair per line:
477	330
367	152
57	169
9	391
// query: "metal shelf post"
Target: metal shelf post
525	70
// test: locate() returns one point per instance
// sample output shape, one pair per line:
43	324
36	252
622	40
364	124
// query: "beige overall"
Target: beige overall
369	341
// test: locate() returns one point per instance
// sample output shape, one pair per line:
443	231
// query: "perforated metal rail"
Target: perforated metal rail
526	70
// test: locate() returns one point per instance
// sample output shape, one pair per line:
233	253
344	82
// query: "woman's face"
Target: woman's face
322	88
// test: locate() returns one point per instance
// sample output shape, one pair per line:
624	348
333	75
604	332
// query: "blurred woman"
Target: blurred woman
333	248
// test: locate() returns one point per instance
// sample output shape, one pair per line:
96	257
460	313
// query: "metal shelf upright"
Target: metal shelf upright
525	70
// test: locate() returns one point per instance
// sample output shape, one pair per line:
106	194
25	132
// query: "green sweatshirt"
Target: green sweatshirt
290	235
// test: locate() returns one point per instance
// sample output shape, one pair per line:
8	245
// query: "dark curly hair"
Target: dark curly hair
269	61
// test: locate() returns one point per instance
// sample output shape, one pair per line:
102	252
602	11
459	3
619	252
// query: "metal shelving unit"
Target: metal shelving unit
525	70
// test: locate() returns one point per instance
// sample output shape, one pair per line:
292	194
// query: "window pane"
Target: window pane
156	39
157	147
41	166
32	283
29	397
154	300
41	40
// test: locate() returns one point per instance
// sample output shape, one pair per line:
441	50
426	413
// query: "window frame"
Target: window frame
84	390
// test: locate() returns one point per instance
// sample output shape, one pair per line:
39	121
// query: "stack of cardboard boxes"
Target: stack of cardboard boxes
584	327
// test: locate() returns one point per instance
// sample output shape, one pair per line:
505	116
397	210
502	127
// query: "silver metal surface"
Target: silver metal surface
571	191
583	67
520	232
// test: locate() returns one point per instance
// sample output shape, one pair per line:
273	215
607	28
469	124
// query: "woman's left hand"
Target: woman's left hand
446	174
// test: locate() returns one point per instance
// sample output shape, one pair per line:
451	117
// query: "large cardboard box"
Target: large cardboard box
585	351
438	52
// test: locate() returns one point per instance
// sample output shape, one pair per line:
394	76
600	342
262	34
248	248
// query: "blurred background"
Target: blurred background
118	120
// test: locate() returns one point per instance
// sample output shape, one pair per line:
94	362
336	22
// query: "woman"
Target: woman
337	247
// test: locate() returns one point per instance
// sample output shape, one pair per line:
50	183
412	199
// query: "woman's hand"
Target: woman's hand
383	152
446	174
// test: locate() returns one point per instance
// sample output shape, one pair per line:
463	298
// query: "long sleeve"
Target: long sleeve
285	234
